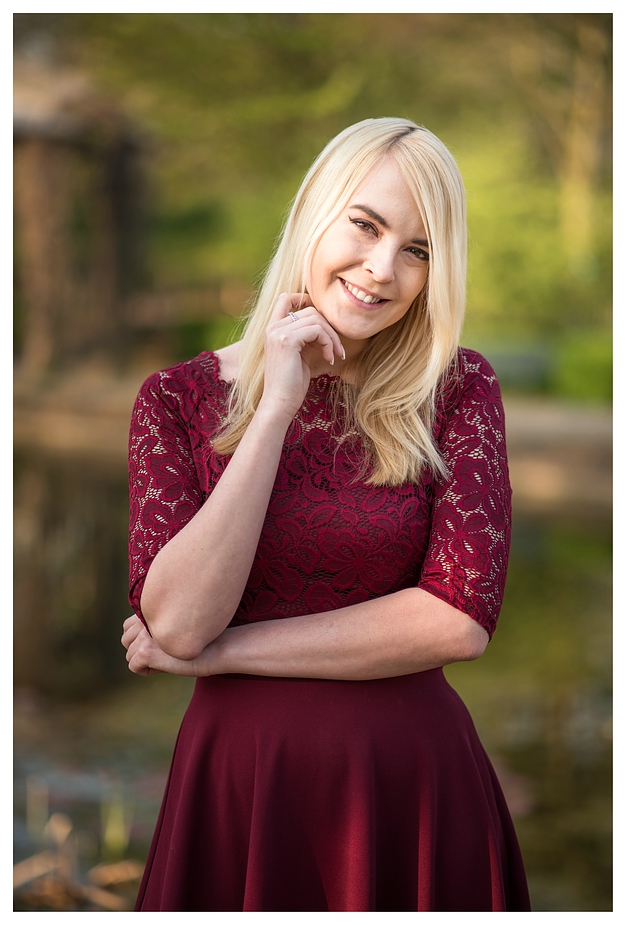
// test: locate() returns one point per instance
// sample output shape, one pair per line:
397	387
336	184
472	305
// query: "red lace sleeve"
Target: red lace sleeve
469	542
165	491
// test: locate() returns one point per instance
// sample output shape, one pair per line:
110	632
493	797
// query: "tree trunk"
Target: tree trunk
42	204
582	142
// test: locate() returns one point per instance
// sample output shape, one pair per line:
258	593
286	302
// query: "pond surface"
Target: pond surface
540	698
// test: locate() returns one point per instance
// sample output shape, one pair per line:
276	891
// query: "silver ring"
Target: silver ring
292	315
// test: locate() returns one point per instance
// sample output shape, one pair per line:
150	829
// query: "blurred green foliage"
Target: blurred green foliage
191	337
237	105
583	367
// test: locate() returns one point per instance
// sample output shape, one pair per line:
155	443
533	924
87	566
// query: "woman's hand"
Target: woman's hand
144	655
291	346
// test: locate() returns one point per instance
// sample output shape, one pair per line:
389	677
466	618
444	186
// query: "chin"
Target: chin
360	331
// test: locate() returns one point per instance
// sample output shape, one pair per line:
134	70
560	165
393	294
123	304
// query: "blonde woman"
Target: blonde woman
320	521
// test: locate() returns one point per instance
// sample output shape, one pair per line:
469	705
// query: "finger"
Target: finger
314	327
141	655
308	314
139	666
313	313
141	641
131	633
137	659
315	333
136	636
288	302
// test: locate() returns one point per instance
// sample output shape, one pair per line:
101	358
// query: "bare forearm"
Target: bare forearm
196	581
401	633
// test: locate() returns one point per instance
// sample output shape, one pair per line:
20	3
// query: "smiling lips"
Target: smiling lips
362	296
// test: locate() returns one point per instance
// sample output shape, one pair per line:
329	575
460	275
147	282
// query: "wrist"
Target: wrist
214	657
275	414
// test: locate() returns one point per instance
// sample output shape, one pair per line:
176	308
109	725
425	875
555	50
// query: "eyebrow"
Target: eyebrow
382	221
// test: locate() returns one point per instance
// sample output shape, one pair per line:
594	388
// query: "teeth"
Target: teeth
369	299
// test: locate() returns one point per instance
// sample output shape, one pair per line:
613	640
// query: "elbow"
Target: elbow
473	641
173	638
178	646
453	634
181	632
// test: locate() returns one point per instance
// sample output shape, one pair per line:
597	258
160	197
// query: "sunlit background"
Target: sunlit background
155	155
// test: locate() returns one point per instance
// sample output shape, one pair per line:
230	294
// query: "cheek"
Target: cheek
320	271
419	283
316	265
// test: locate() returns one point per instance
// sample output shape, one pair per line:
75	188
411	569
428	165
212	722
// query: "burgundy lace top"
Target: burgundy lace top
329	539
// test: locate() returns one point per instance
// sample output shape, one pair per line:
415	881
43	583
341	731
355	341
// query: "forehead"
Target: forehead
385	190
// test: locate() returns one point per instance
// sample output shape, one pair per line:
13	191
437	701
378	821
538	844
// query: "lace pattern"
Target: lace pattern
330	540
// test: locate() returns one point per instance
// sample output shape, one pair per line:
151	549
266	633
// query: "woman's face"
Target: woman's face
372	262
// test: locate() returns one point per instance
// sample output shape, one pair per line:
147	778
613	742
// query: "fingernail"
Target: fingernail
332	360
343	353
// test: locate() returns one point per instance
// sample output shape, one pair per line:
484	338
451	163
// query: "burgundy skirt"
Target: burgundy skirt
338	796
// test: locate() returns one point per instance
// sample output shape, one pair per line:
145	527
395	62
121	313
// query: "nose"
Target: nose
380	262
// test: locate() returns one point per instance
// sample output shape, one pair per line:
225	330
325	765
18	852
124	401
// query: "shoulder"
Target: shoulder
178	389
474	367
471	376
469	389
228	360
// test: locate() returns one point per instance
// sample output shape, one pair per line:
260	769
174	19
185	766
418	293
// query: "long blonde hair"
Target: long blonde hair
401	367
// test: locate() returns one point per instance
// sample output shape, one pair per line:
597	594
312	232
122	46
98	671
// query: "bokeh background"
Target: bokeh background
155	155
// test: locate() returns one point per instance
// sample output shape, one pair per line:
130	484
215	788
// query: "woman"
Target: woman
342	466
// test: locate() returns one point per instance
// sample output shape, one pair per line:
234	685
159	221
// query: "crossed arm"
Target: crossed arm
401	633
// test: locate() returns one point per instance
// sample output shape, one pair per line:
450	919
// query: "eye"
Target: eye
364	225
419	253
